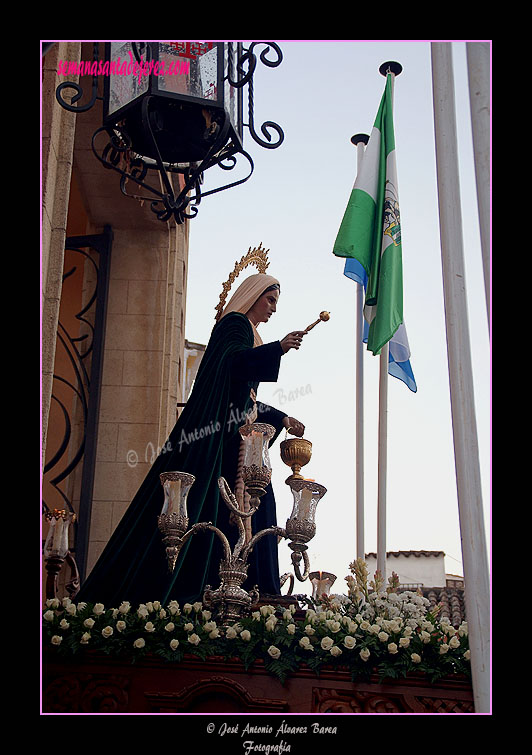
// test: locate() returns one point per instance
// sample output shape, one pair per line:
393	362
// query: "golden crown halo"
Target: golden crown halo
257	256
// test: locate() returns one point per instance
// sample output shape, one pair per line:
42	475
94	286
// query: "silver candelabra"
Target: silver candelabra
230	601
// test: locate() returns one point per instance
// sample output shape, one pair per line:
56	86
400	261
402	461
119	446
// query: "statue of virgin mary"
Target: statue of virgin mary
204	442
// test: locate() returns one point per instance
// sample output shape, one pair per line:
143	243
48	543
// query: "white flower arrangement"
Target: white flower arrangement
374	629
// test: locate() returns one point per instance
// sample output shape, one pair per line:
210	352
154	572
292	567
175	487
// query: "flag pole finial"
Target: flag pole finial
391	66
359	139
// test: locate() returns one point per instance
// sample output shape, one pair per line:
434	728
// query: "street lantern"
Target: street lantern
174	108
180	101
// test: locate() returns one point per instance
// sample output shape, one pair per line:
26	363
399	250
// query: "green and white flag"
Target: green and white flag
370	231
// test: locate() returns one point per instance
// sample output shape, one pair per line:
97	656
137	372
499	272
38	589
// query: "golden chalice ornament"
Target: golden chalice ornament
296	452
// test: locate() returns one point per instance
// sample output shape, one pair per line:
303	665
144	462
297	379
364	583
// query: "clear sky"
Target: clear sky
322	93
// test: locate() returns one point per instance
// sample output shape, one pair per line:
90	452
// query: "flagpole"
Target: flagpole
360	141
471	515
383	461
478	68
395	69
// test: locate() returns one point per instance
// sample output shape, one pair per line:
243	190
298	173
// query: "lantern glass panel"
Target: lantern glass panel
123	89
232	96
190	69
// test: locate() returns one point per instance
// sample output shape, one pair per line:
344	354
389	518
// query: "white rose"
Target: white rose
149	606
107	631
71	609
349	642
270	624
467	655
365	625
309	630
425	637
149	626
404	642
98	609
197	606
188	627
230	633
444	648
194	639
305	643
255	615
214	633
364	654
392	648
327	643
267	610
187	608
85	637
142	612
173	607
274	652
162	614
121	625
52	603
139	643
454	642
56	639
124	607
336	651
89	623
287	615
291	628
170	626
415	658
64	624
49	616
156	605
246	635
383	636
174	644
206	615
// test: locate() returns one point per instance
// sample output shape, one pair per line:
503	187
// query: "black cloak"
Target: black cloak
204	442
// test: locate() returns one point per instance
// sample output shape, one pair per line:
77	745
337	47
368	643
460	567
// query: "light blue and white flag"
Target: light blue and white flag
399	350
370	238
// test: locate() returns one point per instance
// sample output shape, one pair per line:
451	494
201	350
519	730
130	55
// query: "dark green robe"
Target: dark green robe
204	442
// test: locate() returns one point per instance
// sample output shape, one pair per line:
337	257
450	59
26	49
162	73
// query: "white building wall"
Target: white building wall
413	567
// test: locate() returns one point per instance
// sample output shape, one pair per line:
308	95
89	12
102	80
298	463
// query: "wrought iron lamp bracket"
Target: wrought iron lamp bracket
118	153
79	90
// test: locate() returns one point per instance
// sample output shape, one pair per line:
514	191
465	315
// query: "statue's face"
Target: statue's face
264	307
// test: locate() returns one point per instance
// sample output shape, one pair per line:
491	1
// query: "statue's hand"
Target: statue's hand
294	426
292	340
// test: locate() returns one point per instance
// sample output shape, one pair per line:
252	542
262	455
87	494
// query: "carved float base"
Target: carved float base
100	684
